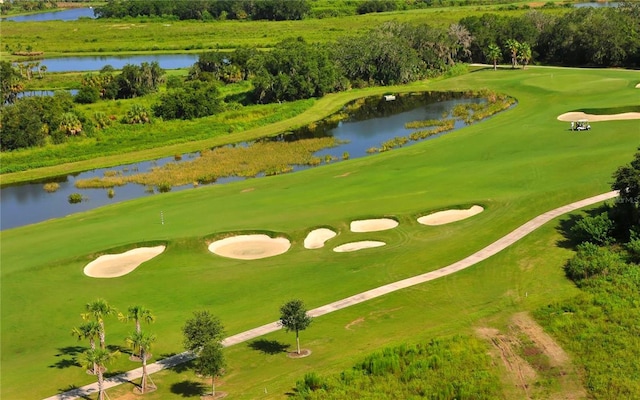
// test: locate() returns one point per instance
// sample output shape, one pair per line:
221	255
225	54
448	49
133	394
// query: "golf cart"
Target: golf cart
580	125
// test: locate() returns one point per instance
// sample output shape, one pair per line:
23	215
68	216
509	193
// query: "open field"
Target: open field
139	36
516	165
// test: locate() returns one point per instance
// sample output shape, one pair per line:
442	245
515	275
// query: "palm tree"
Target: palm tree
99	309
137	313
513	46
524	54
494	54
142	342
100	358
89	330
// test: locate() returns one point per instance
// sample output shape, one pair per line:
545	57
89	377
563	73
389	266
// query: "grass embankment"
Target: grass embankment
517	165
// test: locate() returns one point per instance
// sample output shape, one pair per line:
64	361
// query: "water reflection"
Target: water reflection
375	122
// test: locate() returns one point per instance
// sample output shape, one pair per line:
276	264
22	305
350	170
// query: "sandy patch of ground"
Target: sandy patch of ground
351	324
250	247
317	237
574	116
526	340
638	86
373	225
355	246
115	265
448	216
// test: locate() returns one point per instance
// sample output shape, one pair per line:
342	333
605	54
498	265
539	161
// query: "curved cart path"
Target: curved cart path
473	259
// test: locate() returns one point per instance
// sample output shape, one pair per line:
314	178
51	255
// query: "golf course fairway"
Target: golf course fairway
516	165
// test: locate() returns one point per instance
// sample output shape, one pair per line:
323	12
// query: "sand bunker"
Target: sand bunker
638	86
115	265
365	244
448	216
574	116
317	237
373	225
250	247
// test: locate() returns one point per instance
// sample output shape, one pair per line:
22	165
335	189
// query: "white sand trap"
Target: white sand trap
355	246
250	247
448	216
574	116
373	225
317	237
638	86
115	265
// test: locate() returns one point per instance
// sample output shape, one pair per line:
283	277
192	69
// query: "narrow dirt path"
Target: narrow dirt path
467	262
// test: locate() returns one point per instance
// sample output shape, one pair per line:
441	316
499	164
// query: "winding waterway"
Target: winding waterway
373	124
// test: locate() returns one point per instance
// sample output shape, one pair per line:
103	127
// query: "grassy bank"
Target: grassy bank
517	165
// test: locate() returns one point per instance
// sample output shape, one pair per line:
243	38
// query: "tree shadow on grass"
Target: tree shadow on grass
188	388
71	361
570	240
268	346
73	394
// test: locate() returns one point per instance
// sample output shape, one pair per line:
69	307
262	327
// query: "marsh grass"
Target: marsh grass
468	112
266	157
427	122
121	138
51	187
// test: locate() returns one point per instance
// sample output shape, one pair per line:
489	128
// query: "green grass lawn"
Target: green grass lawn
517	164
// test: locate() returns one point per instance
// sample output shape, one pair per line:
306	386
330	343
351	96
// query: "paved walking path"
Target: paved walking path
473	259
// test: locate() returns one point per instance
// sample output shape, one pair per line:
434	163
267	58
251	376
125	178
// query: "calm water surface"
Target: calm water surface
95	63
370	126
63	15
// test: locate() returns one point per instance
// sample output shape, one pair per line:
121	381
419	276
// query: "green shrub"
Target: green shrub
596	229
75	198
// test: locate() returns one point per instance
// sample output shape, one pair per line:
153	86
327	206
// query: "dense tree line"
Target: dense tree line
600	325
608	36
273	10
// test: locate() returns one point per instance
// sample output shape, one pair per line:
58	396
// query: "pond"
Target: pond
96	63
375	122
71	14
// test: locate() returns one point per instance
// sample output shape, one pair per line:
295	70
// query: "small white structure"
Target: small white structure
389	97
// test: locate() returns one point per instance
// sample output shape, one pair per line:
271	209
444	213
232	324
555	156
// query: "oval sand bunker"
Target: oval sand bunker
250	247
373	225
355	246
115	265
448	216
317	237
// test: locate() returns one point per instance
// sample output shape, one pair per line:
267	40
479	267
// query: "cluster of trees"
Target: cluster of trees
27	5
608	36
203	335
273	10
600	325
35	121
133	81
32	121
393	53
97	358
